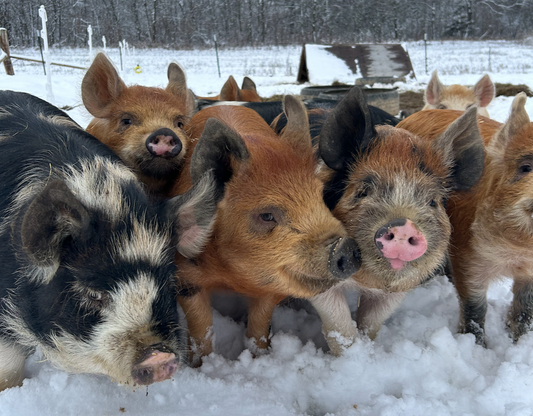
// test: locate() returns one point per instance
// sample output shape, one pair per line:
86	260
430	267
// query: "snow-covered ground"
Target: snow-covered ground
418	364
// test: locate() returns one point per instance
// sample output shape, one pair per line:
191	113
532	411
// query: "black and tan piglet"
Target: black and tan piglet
87	260
389	188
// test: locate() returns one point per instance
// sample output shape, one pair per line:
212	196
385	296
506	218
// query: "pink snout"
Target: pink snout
400	241
157	366
164	143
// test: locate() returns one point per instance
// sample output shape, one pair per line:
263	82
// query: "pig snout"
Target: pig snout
344	258
156	363
400	241
164	143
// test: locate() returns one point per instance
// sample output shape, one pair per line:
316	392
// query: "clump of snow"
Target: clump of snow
418	364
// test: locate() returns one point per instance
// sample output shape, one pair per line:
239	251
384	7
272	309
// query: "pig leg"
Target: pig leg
11	365
374	307
337	324
521	312
260	312
473	301
197	309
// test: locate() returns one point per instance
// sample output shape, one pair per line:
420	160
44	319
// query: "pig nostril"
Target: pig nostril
156	140
413	241
389	236
341	264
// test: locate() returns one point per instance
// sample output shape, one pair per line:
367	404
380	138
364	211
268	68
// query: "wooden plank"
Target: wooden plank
4	45
23	58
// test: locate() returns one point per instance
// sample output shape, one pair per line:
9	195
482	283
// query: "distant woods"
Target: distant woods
192	23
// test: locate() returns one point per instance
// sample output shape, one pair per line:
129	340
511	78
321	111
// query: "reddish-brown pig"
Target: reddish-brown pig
273	236
231	92
145	126
492	223
459	97
389	188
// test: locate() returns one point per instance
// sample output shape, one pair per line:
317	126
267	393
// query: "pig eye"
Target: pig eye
432	203
267	217
97	298
125	122
442	107
179	124
526	168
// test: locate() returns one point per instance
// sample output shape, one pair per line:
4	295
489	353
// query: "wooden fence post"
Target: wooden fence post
4	45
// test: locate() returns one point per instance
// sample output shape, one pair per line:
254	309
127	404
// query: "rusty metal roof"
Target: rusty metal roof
362	60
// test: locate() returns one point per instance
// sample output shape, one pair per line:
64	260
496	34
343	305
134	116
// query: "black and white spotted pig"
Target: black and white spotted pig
87	261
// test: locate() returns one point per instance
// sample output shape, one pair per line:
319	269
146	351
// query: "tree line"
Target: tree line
194	23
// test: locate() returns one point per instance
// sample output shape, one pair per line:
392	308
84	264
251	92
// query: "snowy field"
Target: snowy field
418	364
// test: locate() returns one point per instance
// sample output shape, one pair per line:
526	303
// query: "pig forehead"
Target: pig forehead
149	101
521	143
404	153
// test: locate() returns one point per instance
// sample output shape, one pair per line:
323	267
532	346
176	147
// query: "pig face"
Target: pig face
145	126
273	225
509	206
459	97
100	296
389	189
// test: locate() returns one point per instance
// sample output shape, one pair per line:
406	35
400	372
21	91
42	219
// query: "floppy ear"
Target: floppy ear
177	85
54	216
101	86
296	131
248	84
484	91
517	119
217	149
463	149
347	131
434	89
230	90
194	214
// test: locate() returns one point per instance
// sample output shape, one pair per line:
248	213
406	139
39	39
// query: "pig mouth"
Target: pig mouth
309	280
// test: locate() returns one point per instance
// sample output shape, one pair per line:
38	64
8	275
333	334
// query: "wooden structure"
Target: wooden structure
325	64
4	52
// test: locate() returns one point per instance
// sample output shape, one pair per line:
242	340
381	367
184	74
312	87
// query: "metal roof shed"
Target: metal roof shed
325	64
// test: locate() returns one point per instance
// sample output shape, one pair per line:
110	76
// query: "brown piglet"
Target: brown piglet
493	222
459	97
273	236
145	126
389	188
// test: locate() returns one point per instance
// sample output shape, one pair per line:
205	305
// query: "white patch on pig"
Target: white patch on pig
11	365
145	242
116	342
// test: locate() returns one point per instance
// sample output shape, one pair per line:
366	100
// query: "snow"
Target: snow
418	364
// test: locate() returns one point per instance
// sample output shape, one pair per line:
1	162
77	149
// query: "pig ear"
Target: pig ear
194	214
484	91
54	216
248	84
347	131
517	119
230	90
217	147
434	89
296	131
463	149
177	85
101	86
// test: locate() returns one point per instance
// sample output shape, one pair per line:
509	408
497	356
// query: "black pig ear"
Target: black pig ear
463	149
217	147
194	214
53	216
347	131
